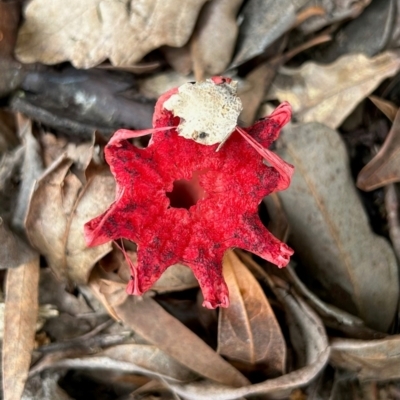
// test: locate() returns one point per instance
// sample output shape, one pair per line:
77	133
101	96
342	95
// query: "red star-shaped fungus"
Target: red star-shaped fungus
182	201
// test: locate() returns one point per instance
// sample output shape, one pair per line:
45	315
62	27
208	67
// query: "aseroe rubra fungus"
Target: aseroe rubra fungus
183	201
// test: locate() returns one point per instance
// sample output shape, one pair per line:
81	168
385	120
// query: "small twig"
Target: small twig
79	344
97	329
57	352
308	13
285	57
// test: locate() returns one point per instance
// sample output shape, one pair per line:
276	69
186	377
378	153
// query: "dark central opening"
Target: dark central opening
186	194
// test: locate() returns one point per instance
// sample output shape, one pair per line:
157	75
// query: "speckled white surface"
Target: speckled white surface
208	111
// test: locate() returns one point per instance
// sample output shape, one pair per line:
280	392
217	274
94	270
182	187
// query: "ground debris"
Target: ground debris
326	326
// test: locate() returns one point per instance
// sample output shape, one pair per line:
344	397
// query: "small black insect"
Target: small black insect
203	135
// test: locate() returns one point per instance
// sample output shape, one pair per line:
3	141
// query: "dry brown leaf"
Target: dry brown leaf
98	193
60	205
281	288
214	38
355	268
329	93
19	326
108	288
309	334
384	168
10	13
52	147
387	107
47	220
87	32
248	330
375	359
158	327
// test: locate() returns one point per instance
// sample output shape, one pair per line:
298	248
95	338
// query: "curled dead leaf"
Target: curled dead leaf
59	207
384	168
387	107
109	289
248	330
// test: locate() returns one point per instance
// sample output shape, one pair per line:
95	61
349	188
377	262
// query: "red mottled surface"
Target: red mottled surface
225	188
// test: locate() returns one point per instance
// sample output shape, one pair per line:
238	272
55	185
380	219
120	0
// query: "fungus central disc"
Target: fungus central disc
208	111
186	193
